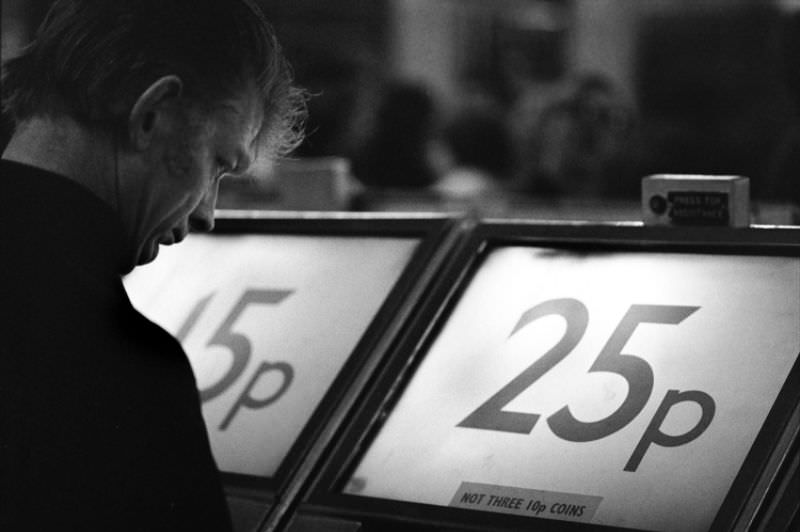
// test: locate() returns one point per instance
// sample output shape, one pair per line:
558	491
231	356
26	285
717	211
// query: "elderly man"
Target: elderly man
127	113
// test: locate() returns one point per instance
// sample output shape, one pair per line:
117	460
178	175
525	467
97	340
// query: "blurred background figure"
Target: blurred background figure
674	86
782	176
334	82
581	144
394	148
476	152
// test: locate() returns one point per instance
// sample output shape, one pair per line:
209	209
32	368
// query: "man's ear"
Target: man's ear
149	109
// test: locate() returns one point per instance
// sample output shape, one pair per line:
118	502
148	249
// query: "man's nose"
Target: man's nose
202	218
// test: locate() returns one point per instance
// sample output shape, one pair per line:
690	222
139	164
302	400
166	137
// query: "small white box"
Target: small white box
695	200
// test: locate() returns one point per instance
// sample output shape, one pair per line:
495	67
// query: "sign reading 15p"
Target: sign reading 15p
241	350
636	371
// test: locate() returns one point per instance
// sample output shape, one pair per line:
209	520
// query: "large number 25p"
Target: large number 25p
635	370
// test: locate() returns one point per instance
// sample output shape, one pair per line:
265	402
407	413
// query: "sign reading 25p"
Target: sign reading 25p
636	371
611	388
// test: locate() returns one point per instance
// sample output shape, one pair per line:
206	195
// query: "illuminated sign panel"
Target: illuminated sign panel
610	388
573	377
268	321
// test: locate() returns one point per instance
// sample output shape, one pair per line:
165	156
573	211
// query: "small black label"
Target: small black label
698	208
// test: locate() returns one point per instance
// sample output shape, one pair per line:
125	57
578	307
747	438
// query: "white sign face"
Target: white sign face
267	323
623	389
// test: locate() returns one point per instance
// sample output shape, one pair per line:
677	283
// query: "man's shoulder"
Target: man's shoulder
116	390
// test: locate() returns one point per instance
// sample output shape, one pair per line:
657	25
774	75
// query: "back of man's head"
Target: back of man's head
91	59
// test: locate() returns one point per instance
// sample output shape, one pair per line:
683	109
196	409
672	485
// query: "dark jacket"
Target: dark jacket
100	421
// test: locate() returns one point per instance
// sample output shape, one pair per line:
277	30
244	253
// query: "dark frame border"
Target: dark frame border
324	497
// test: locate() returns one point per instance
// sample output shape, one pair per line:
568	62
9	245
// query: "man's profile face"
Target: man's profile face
184	180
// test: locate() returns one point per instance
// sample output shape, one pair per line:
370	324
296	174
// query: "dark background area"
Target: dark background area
705	80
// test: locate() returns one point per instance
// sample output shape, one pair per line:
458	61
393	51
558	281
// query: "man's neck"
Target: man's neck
64	147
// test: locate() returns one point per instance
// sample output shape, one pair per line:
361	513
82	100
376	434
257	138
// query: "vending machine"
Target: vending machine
284	318
582	377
